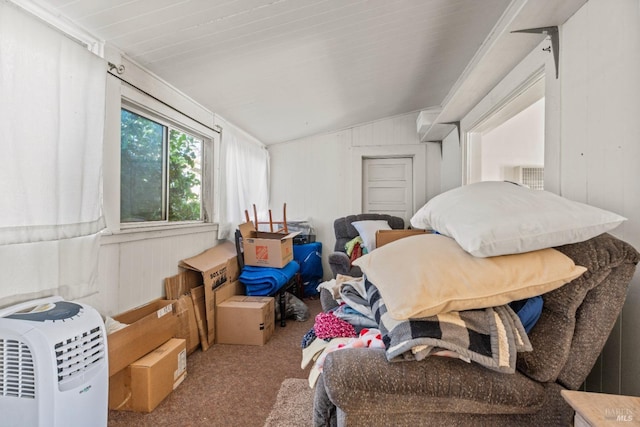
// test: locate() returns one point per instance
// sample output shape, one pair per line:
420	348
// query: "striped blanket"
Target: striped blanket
490	337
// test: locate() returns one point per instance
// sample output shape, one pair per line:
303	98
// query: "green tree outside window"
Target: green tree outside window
155	186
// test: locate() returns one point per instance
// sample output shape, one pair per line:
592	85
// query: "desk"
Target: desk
600	409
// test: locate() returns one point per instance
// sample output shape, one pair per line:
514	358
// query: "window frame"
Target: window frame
168	125
128	97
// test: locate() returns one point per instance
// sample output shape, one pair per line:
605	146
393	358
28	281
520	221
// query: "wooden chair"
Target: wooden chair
283	229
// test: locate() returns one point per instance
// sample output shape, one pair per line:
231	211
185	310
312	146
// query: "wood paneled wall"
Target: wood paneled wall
132	271
600	148
315	176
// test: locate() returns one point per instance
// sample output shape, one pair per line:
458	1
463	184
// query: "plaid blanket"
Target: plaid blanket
490	337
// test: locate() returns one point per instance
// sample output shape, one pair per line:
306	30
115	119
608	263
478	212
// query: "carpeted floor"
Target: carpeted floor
230	385
294	405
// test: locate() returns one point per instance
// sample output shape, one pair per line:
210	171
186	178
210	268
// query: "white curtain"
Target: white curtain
52	107
244	179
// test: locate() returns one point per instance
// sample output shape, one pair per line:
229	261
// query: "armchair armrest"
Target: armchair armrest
341	264
356	378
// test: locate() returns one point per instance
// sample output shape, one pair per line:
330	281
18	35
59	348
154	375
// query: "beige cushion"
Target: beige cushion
423	275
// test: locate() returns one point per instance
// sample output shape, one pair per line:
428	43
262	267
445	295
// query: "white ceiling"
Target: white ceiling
285	69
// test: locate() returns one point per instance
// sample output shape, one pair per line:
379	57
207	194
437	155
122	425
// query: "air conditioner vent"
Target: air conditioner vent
17	372
76	355
531	176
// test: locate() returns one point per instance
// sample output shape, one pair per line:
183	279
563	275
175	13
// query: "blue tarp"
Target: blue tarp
266	281
309	256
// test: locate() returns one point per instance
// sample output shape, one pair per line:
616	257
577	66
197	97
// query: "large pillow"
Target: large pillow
367	231
427	274
498	218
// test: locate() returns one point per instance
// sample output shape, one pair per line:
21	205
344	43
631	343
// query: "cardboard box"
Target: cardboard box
197	296
179	288
187	324
182	283
217	265
222	294
264	249
227	291
149	380
149	326
245	320
387	236
120	391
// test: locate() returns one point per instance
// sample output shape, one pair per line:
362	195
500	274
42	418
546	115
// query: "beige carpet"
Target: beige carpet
294	405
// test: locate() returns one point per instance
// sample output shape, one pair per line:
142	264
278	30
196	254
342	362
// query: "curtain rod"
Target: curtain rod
120	69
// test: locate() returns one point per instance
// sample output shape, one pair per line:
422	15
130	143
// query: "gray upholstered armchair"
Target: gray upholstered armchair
345	231
359	386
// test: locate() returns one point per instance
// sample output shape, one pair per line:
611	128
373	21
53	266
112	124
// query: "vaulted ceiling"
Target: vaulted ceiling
285	69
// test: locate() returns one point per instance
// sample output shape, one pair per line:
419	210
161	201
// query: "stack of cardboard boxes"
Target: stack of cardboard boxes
204	305
146	362
267	249
227	316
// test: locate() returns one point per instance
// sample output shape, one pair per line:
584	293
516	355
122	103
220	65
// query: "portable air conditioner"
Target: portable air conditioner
53	365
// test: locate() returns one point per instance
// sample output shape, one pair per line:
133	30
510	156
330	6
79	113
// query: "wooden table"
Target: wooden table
599	409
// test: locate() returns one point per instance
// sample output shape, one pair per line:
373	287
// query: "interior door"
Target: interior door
388	186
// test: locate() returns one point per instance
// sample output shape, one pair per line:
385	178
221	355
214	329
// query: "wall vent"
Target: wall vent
531	176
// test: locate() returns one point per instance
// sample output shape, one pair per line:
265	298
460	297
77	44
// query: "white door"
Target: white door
388	186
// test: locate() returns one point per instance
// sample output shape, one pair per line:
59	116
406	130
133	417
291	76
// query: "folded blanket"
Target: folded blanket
266	281
354	317
354	299
490	337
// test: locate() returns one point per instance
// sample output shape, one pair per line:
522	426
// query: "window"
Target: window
160	170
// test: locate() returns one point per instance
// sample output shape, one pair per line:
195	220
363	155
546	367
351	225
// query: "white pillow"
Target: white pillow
367	231
497	218
427	274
